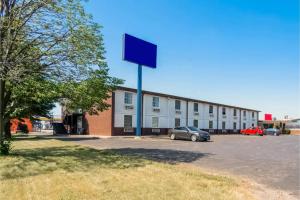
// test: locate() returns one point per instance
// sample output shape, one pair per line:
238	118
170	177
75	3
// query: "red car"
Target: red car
252	131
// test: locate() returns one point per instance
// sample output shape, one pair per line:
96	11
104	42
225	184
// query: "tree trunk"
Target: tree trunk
7	125
2	87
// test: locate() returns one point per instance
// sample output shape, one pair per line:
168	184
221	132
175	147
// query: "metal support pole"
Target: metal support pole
139	102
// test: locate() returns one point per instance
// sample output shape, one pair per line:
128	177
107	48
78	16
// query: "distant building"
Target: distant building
289	124
280	124
44	123
294	126
159	113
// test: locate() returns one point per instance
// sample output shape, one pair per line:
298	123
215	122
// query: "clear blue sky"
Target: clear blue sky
237	52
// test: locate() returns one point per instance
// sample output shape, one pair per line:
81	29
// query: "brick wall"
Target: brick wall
100	124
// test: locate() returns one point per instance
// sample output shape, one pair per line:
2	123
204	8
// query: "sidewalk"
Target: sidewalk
49	134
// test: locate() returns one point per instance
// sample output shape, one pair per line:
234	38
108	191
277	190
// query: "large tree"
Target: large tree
50	50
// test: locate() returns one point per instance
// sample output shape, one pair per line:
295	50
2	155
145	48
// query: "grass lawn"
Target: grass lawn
51	169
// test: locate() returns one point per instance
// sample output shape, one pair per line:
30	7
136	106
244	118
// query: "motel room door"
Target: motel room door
79	124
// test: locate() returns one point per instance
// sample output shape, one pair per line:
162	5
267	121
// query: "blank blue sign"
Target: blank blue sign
139	51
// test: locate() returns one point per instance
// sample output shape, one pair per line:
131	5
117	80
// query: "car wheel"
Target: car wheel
173	136
194	138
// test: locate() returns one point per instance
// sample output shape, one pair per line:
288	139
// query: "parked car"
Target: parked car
252	131
189	133
272	131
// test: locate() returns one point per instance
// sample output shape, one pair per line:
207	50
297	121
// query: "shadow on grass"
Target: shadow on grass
28	138
37	161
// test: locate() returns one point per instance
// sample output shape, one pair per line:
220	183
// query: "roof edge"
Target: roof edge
182	98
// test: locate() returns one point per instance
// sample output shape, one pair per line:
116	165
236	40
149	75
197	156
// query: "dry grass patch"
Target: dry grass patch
51	169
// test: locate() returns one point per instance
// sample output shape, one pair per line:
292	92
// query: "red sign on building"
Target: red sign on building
268	116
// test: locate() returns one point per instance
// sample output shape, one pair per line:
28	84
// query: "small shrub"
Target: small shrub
286	131
5	147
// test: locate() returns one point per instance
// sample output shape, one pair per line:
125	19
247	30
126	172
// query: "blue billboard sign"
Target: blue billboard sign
139	51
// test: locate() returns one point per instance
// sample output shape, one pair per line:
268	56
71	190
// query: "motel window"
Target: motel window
223	111
234	112
244	113
177	105
195	107
234	125
195	123
252	125
128	98
244	125
127	121
223	125
177	122
210	125
155	122
155	102
211	109
252	114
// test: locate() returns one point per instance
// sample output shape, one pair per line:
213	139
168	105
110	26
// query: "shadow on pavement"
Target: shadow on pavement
163	155
76	139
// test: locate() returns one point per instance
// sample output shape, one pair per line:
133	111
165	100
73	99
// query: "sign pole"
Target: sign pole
142	53
139	102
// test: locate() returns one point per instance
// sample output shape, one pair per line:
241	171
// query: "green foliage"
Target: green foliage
49	37
52	51
90	94
5	146
34	96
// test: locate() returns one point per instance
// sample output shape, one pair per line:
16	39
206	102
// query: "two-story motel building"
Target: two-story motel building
161	112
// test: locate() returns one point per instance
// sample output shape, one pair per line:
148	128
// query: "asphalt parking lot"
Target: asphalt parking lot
269	160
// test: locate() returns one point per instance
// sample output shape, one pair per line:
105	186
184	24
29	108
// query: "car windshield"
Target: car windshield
192	128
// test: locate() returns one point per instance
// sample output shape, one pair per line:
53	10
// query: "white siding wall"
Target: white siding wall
227	118
120	110
204	117
232	119
236	118
249	120
163	114
209	117
173	115
167	113
192	116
